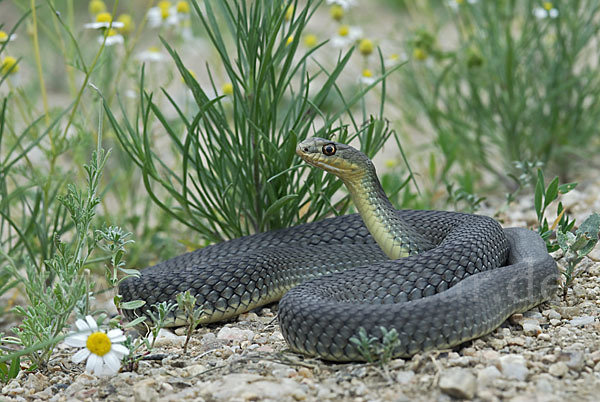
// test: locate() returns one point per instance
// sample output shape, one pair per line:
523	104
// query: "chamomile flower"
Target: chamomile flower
367	77
97	7
102	350
227	89
395	59
546	11
311	40
103	21
152	54
113	38
163	14
346	36
9	66
4	37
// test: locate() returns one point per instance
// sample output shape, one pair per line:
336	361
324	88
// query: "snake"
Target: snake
434	279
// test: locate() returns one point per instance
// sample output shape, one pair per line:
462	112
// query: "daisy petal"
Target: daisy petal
113	363
80	356
92	323
94	364
120	349
82	325
77	340
114	333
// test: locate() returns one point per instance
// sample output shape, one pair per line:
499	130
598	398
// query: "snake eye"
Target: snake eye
329	149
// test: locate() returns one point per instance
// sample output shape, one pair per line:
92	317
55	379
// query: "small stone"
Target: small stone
167	338
551	314
208	338
488	374
543	385
579	291
514	367
235	334
515	341
595	356
181	331
568	312
531	328
497	343
516	319
574	360
265	348
544	337
404	377
144	390
195	369
558	369
36	382
305	372
555	322
458	383
547	359
276	336
581	321
490	355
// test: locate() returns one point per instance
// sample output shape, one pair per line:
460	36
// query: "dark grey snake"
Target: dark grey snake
461	276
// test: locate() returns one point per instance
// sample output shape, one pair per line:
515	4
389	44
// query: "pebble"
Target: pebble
235	334
531	327
558	369
488	374
574	359
551	314
458	383
145	390
404	377
248	387
167	338
514	366
582	320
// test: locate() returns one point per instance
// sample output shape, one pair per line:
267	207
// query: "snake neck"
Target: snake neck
395	237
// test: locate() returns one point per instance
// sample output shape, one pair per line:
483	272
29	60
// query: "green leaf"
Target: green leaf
565	188
539	195
135	322
132	305
563	241
278	204
551	192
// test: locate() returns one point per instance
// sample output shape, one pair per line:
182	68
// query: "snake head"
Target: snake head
342	160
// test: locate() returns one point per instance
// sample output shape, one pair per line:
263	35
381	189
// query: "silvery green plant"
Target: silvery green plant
576	246
186	303
374	350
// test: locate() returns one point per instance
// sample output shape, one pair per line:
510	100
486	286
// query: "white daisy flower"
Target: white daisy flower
4	37
546	11
152	54
104	20
346	36
367	77
103	351
113	38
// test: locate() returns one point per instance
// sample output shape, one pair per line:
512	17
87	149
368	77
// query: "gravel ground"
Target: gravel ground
551	353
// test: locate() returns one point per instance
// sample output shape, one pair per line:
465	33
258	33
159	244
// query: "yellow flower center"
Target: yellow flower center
183	7
112	32
344	30
365	47
394	57
289	40
3	36
164	13
289	12
127	22
419	54
97	7
103	17
98	343
337	12
164	5
548	5
311	40
227	88
459	2
9	65
367	73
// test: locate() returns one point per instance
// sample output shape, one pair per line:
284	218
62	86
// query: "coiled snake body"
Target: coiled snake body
461	277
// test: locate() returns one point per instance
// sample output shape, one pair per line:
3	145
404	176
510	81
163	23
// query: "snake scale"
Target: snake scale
460	277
